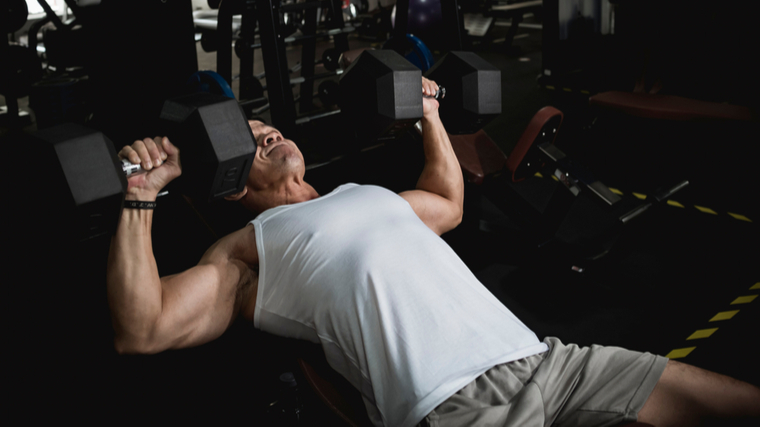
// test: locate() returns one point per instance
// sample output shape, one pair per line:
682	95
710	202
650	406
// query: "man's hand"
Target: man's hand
429	103
160	158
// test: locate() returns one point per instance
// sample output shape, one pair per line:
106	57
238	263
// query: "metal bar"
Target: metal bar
517	6
53	17
336	22
335	32
247	35
224	39
634	213
604	192
402	19
551	151
664	194
279	93
297	7
308	55
307	119
453	22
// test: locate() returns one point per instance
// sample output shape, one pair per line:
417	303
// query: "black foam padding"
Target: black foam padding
84	175
216	144
473	91
381	94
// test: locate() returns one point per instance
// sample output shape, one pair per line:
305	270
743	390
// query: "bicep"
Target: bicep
437	212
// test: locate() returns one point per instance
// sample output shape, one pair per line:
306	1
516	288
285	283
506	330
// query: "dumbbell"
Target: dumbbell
473	96
89	180
381	93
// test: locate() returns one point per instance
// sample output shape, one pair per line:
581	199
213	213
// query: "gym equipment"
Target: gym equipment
13	16
667	107
211	82
381	94
515	12
59	99
575	208
331	58
19	66
268	15
222	149
375	25
329	92
89	180
413	49
473	91
449	34
393	103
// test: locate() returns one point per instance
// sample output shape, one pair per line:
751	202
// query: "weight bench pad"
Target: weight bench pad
668	107
529	137
478	156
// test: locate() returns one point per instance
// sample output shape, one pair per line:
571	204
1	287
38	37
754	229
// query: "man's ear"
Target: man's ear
237	196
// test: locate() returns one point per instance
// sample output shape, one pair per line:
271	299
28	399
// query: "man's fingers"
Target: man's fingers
142	151
172	153
429	87
154	154
128	153
160	148
169	148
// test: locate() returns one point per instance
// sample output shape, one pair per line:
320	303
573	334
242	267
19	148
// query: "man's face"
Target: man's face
277	158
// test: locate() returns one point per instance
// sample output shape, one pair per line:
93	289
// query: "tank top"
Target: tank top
396	311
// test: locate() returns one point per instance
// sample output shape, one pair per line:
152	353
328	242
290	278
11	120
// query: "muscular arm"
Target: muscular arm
151	314
439	196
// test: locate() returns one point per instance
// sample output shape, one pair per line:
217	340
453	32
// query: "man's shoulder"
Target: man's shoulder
238	245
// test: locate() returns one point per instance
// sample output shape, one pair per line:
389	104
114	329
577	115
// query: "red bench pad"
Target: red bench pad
668	107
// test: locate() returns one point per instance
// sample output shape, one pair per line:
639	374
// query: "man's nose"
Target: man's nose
269	138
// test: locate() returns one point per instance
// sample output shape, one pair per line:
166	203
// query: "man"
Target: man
363	272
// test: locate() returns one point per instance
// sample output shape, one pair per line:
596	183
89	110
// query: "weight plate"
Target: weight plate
210	82
413	49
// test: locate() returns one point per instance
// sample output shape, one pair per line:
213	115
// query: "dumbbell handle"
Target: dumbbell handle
440	93
130	168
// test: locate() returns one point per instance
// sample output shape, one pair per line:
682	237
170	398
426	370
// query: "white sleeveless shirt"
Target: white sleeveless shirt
398	314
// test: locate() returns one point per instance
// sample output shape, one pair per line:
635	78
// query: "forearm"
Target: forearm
442	174
134	286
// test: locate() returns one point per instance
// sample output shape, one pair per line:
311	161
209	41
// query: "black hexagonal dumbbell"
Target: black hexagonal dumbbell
381	93
87	181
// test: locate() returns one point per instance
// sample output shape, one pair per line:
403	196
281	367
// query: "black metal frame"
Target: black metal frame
266	13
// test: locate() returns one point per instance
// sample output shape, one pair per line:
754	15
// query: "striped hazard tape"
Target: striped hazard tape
669	202
680	353
676	204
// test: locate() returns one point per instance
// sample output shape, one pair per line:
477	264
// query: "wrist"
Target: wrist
431	117
137	194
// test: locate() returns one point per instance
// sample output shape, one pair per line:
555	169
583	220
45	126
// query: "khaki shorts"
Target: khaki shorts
565	386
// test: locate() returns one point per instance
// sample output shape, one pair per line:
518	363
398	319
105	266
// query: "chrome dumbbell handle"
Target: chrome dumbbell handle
130	168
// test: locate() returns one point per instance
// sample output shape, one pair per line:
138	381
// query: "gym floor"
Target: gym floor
680	282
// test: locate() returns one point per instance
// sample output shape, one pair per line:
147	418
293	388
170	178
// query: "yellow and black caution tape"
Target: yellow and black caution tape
680	353
670	202
676	204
